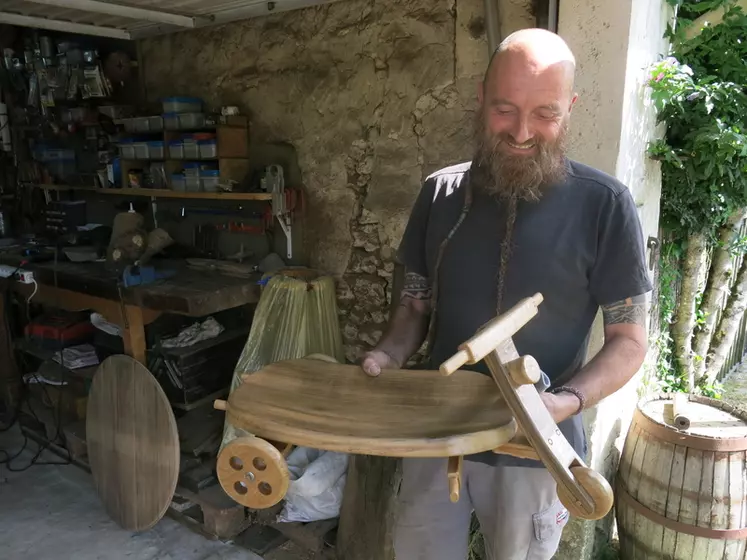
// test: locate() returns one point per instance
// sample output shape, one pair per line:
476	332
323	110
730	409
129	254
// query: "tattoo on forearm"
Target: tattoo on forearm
416	286
631	310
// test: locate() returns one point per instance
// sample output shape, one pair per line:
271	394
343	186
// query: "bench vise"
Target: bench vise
140	275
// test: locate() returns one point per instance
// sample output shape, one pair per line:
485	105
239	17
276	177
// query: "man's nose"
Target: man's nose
521	132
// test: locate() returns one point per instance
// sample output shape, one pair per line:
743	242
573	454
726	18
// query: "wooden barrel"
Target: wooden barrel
680	495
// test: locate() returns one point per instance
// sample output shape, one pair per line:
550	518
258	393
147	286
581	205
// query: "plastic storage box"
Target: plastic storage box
155	123
191	120
208	149
193	182
176	149
127	149
210	179
182	105
178	182
171	121
191	149
141	150
155	149
130	125
191	169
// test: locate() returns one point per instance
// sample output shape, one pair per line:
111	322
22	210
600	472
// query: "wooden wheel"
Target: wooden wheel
253	472
598	489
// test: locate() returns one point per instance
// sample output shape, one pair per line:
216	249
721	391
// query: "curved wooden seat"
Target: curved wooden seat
401	413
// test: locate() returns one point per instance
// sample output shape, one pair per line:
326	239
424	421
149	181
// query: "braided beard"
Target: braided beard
508	175
513	178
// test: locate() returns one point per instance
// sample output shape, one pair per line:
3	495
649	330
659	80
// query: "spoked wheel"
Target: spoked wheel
253	472
598	489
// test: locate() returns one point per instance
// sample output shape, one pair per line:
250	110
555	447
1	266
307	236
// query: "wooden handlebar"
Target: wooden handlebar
492	335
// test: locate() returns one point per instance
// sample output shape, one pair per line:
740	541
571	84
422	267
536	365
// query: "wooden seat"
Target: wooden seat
401	413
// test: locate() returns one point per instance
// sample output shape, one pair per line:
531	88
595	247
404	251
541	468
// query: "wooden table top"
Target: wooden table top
133	444
401	413
190	292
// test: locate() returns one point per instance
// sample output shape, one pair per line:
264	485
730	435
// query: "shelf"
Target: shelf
162	193
165	193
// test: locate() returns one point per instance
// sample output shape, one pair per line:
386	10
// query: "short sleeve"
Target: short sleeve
411	253
620	270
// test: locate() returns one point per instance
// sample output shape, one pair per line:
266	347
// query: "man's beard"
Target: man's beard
509	175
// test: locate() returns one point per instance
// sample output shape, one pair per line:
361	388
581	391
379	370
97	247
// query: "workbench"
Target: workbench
80	286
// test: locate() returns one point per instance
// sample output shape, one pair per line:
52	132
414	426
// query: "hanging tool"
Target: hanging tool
274	182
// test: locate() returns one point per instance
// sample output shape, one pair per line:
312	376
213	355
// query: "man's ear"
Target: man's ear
480	90
573	102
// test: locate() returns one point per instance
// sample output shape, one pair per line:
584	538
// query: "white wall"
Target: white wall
614	43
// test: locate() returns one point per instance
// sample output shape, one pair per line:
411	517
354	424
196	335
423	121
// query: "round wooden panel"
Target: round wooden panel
133	444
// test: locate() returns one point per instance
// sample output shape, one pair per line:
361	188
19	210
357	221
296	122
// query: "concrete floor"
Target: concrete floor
53	512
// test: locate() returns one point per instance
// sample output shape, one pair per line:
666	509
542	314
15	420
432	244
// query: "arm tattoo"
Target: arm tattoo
630	310
416	287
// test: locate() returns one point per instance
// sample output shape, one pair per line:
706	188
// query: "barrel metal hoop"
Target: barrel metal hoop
623	497
692	441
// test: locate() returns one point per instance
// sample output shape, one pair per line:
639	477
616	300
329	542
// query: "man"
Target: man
519	219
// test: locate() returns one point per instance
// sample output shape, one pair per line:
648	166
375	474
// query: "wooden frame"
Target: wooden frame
320	423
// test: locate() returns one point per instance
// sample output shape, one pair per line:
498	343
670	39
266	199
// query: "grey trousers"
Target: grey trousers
518	509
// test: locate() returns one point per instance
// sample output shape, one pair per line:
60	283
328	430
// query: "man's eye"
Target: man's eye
546	115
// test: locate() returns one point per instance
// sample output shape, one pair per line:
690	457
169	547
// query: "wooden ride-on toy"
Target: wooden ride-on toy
318	403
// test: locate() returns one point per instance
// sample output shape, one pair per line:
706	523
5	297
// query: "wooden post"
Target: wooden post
133	333
369	502
10	376
369	508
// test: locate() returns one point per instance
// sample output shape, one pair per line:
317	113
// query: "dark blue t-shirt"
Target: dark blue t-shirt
580	246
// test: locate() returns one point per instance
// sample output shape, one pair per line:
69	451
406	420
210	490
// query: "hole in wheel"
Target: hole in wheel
236	463
265	488
259	463
240	487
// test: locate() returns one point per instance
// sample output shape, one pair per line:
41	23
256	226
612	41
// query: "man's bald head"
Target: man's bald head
537	49
526	101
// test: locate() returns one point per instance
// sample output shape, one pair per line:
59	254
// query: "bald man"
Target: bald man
520	218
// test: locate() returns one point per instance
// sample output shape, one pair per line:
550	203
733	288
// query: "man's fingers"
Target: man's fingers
371	367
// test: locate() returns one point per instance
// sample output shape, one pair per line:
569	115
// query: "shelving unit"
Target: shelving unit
162	193
232	137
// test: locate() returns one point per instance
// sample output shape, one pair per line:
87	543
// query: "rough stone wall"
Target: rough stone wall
374	95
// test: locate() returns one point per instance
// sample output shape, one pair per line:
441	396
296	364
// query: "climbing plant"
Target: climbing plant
700	94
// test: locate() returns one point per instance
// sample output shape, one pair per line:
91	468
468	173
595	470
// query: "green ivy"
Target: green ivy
700	94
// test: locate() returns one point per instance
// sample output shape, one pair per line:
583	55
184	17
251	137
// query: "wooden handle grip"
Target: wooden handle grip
455	362
493	334
454	484
219	404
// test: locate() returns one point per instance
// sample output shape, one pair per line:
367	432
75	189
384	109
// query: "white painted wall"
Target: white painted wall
614	43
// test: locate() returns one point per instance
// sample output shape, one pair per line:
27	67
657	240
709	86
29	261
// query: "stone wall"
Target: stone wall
374	95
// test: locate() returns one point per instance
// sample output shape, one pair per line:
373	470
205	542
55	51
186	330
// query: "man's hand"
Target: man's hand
561	406
376	360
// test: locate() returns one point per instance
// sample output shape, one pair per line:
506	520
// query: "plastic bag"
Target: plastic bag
316	486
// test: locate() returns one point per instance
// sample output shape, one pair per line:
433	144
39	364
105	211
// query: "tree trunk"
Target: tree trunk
682	330
368	509
729	324
717	287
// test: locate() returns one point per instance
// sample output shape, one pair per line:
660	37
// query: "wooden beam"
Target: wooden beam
131	12
64	26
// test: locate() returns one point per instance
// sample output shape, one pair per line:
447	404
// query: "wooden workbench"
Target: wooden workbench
79	286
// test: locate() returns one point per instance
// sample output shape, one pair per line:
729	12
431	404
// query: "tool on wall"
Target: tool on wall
283	202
